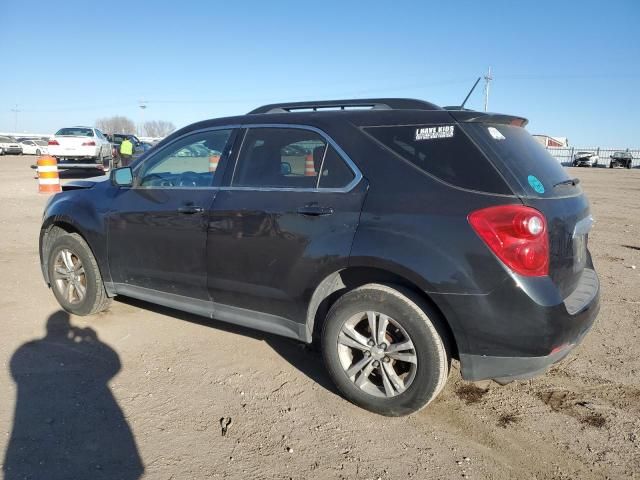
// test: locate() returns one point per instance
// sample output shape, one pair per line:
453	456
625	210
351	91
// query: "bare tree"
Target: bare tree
158	128
115	124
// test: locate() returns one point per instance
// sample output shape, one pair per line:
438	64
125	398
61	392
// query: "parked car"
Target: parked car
81	147
585	159
10	146
421	235
116	140
621	159
34	147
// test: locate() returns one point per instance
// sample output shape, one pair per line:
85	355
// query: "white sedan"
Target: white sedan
34	147
81	147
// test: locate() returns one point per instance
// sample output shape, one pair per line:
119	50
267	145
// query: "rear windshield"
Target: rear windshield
517	154
75	132
445	152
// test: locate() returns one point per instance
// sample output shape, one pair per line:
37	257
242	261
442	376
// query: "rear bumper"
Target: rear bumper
11	150
506	369
521	329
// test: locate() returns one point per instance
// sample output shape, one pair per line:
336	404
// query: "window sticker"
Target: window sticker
431	133
535	183
495	133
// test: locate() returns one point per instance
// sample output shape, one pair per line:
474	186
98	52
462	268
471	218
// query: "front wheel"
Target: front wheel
385	352
37	152
74	275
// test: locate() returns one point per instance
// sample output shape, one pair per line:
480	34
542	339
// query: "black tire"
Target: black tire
629	165
38	152
423	327
95	298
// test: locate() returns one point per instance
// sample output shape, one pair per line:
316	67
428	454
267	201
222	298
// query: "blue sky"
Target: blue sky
572	68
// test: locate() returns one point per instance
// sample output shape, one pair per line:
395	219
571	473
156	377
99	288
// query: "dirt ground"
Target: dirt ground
140	391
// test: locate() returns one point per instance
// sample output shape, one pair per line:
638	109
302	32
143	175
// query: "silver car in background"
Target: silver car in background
585	159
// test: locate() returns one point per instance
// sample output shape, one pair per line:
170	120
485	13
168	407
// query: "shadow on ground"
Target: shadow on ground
67	424
303	357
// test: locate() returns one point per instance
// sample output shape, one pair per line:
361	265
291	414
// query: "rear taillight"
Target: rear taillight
89	144
517	235
53	141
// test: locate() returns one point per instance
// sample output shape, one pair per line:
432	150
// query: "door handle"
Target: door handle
190	209
315	210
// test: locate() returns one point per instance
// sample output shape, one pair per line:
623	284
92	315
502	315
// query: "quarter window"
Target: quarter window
187	163
444	152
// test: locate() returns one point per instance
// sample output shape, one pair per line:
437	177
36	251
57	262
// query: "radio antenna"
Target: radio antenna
470	92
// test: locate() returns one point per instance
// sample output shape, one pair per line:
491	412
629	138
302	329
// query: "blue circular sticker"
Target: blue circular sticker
535	183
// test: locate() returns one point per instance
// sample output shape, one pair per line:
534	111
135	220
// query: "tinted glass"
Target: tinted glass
334	171
514	149
445	152
279	157
75	132
187	163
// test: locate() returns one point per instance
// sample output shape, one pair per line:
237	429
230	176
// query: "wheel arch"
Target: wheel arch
69	226
338	283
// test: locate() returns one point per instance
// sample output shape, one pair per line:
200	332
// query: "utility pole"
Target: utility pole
487	80
15	111
143	107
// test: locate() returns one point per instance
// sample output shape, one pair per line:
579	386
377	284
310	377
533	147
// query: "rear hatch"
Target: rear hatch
542	183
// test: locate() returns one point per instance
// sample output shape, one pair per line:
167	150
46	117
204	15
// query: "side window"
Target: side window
279	157
189	162
334	172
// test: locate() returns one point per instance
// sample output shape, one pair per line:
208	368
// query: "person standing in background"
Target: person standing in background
126	152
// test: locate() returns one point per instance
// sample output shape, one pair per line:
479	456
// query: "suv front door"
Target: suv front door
279	225
157	228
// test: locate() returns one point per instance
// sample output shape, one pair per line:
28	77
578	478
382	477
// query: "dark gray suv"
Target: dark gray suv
396	234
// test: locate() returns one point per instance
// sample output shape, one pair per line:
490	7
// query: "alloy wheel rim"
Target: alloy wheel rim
377	354
69	276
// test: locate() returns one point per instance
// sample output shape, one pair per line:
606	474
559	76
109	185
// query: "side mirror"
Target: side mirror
285	168
122	177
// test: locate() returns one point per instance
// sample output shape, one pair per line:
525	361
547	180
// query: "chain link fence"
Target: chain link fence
565	155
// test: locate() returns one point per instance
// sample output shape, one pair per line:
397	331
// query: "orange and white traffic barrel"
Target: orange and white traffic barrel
309	168
213	162
48	179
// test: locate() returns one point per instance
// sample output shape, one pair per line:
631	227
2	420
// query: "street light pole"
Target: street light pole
143	107
15	111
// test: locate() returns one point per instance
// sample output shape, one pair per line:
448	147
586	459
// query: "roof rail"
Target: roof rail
372	103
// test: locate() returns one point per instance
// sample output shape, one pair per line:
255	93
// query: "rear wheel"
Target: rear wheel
383	351
74	275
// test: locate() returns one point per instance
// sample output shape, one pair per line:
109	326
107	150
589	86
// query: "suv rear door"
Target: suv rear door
279	225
